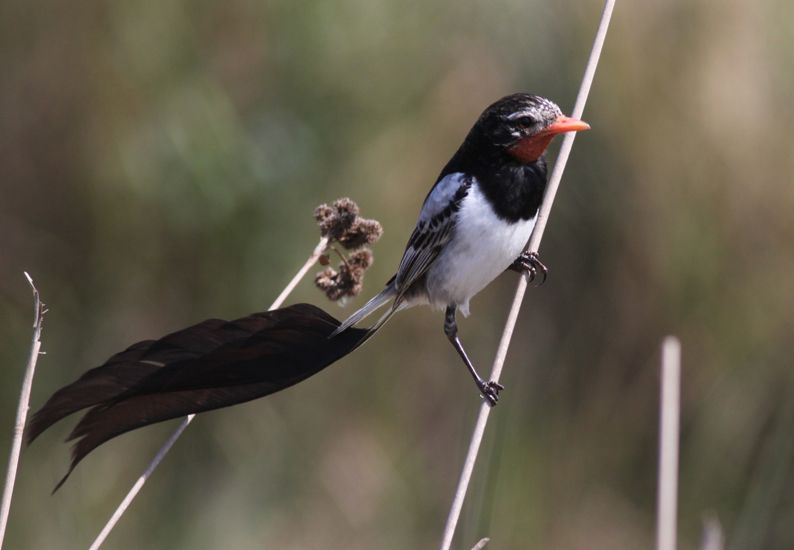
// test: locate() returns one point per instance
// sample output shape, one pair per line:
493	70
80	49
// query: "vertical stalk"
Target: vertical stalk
533	246
22	410
669	408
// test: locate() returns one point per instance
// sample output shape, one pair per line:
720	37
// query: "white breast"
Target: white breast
482	247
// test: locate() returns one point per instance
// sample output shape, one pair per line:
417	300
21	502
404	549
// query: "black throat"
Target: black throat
515	190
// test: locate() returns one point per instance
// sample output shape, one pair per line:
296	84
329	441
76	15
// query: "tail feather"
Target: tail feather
370	332
374	304
207	366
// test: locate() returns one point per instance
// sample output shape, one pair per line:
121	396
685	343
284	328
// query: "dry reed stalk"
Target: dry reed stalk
22	409
533	246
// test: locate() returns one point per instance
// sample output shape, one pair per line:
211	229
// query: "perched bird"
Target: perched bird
477	218
474	224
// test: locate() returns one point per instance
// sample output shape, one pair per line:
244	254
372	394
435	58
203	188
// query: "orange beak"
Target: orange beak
565	124
530	149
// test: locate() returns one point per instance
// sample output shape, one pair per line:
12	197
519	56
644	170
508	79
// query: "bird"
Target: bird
473	225
477	218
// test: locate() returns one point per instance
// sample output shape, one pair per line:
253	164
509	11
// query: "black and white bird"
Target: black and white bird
477	218
474	224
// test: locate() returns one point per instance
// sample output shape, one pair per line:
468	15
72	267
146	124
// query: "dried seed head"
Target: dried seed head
340	222
363	231
360	260
323	215
336	219
349	280
326	280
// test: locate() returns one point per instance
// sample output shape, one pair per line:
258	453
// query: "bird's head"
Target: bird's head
523	125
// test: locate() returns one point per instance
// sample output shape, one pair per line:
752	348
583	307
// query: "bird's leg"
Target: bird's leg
489	390
530	262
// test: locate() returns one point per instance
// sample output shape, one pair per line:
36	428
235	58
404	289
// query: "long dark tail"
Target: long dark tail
207	366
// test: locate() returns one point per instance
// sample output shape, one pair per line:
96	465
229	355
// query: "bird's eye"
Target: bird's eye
525	121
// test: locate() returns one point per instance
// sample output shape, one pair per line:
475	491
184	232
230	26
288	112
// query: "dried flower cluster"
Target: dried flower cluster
341	223
349	280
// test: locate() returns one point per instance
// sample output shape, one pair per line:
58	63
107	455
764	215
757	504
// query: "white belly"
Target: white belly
482	247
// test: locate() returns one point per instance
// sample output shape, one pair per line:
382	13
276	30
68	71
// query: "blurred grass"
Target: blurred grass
160	163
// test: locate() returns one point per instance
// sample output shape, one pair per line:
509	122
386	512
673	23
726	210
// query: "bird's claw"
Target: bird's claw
490	391
530	263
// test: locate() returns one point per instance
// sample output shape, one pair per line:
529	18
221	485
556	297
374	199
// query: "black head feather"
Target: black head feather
512	118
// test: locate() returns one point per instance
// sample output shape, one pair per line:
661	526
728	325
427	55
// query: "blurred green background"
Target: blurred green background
159	163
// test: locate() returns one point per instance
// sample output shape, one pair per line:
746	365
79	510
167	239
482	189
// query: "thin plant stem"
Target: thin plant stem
318	251
533	246
713	538
22	409
669	408
133	492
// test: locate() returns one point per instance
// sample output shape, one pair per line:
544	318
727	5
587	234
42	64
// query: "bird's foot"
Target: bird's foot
530	263
490	391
